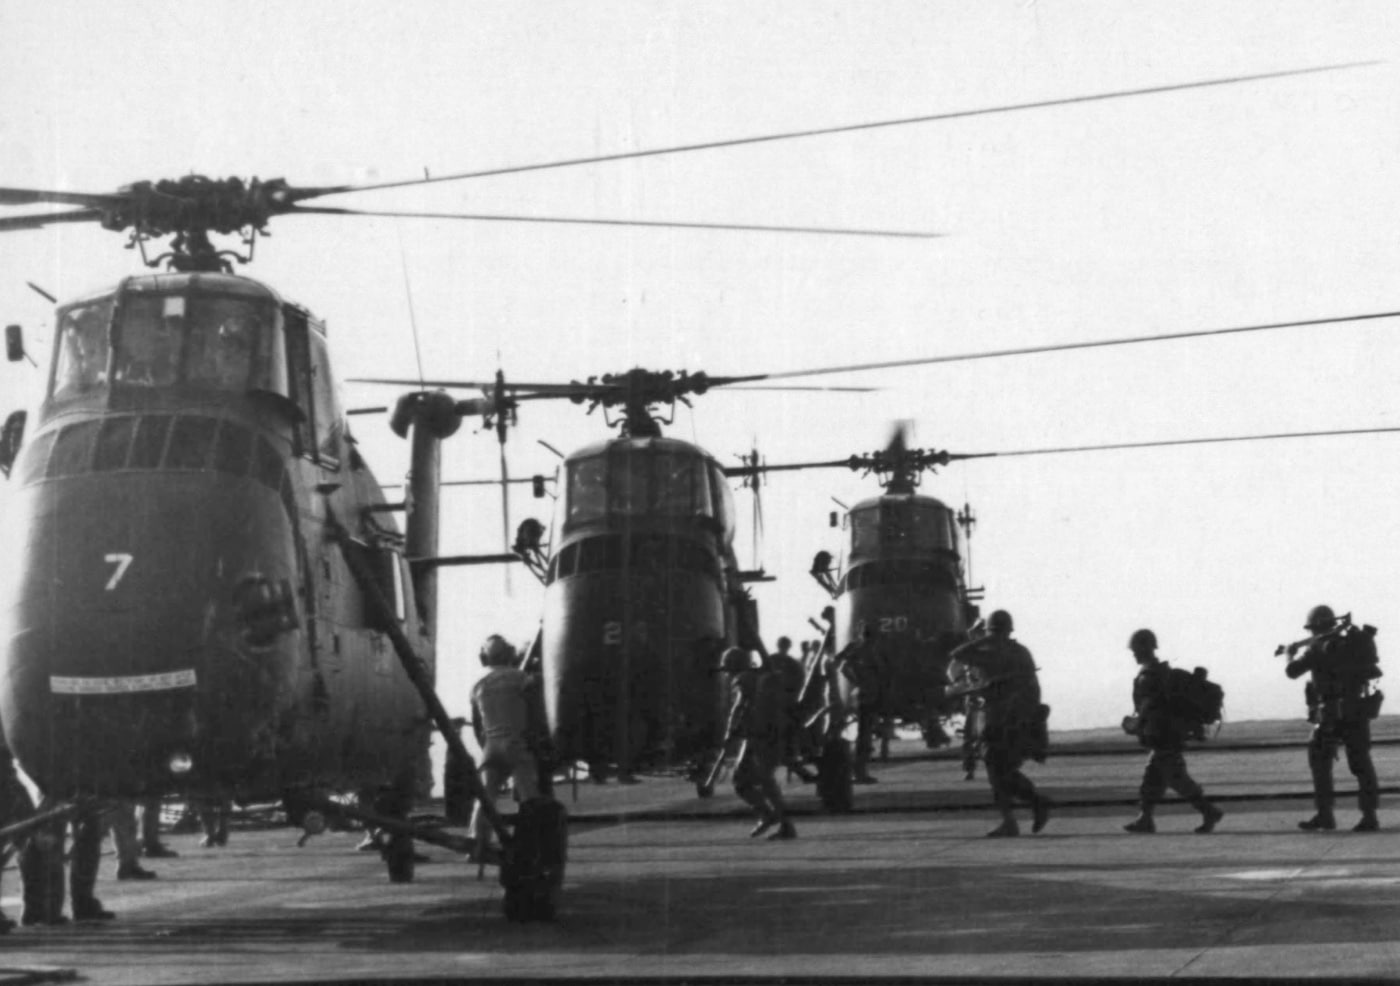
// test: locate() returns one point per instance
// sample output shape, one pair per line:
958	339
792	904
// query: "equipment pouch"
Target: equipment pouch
1371	704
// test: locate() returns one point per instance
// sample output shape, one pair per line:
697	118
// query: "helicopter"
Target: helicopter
902	600
644	591
208	590
643	587
273	674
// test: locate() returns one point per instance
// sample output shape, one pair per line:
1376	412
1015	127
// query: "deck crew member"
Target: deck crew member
504	721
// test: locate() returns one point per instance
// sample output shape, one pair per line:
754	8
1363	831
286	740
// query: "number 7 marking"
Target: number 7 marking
123	562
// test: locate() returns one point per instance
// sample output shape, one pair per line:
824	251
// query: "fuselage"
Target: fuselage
903	593
174	612
640	601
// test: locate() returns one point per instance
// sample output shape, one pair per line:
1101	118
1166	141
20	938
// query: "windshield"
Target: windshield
212	342
81	362
627	481
891	525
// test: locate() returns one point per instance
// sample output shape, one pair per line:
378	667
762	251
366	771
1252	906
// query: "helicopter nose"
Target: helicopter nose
129	651
624	676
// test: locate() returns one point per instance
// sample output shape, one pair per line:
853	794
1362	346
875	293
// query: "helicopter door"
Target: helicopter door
327	423
299	376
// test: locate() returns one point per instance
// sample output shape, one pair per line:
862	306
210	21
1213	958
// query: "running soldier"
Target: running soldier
756	719
1013	719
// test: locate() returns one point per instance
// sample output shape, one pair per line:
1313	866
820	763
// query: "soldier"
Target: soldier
1013	723
1342	661
503	720
1159	728
756	718
41	866
792	674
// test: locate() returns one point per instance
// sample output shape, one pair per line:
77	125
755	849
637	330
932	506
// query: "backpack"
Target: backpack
1353	653
1194	699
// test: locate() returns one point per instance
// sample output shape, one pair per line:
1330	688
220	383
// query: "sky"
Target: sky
1266	201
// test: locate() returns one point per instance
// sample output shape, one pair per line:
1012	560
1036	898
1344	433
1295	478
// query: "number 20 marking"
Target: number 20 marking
123	562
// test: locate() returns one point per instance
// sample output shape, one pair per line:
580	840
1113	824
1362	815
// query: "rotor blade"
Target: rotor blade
845	390
547	390
29	196
657	224
735	472
475	482
854	127
44	219
1060	347
1177	441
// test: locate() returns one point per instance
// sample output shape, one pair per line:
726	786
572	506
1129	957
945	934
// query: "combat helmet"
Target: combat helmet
1142	638
497	652
1000	622
735	660
1320	618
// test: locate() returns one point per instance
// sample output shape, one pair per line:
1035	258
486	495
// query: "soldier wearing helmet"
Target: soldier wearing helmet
506	721
1340	706
757	718
1164	733
1012	719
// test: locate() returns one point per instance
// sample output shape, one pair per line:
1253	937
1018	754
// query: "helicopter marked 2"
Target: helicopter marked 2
65	685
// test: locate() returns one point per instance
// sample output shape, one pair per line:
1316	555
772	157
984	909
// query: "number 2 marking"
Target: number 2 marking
123	562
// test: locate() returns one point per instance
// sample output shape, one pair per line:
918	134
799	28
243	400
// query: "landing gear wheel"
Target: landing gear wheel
516	905
834	784
532	865
545	901
398	854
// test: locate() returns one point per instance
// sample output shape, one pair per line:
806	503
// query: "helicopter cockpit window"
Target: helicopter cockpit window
329	424
228	343
191	442
628	481
722	502
679	487
149	339
212	342
81	361
72	452
113	443
586	495
865	531
34	458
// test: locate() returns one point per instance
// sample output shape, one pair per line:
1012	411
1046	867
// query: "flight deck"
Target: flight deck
664	885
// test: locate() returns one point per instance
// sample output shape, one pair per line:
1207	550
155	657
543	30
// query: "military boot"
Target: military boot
1210	817
1008	829
1040	809
1321	822
1142	825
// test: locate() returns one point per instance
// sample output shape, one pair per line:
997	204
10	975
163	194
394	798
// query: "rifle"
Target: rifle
1343	623
713	777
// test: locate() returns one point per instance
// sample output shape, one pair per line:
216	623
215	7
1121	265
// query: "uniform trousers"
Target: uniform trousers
1166	768
1355	737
